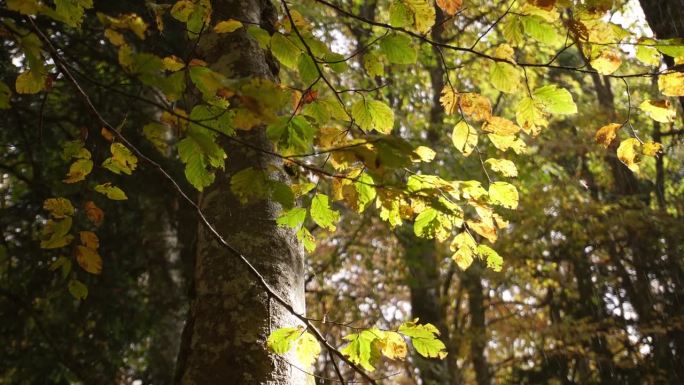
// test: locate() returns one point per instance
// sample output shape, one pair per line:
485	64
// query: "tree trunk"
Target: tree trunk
230	314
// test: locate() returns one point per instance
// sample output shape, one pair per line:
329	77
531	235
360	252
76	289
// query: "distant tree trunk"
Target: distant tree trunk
478	332
230	314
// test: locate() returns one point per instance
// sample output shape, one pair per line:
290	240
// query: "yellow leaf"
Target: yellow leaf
607	62
605	135
450	7
173	63
56	234
486	230
627	153
659	110
503	166
449	100
671	84
502	142
651	148
503	194
530	116
307	349
464	137
89	259
79	170
500	126
111	192
89	239
423	14
227	26
475	105
30	82
58	207
114	37
424	154
463	246
122	160
393	346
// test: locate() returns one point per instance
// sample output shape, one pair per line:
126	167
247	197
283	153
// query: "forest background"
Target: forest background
341	191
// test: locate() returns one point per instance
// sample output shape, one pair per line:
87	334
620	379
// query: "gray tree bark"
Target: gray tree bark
230	314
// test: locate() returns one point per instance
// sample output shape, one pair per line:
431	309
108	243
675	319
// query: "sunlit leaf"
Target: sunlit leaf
503	166
671	84
628	151
227	26
503	194
322	214
606	134
464	137
424	339
373	115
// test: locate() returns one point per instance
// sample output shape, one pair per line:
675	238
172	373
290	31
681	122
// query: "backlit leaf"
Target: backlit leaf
628	151
292	218
464	137
307	349
671	84
503	194
322	214
122	160
607	62
450	7
659	110
283	339
424	339
398	49
285	50
490	256
79	170
605	135
555	100
393	345
373	115
503	166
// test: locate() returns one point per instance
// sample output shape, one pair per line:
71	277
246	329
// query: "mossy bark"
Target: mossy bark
230	314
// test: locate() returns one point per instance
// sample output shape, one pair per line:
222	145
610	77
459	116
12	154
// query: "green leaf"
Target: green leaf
292	218
78	289
425	223
56	233
646	53
285	50
365	190
110	191
30	82
79	170
398	49
373	115
307	349
158	135
541	31
201	154
308	241
464	137
71	11
249	185
322	214
281	340
424	339
260	35
503	166
493	259
203	117
308	71
555	100
503	194
505	77
400	15
294	135
659	110
360	348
